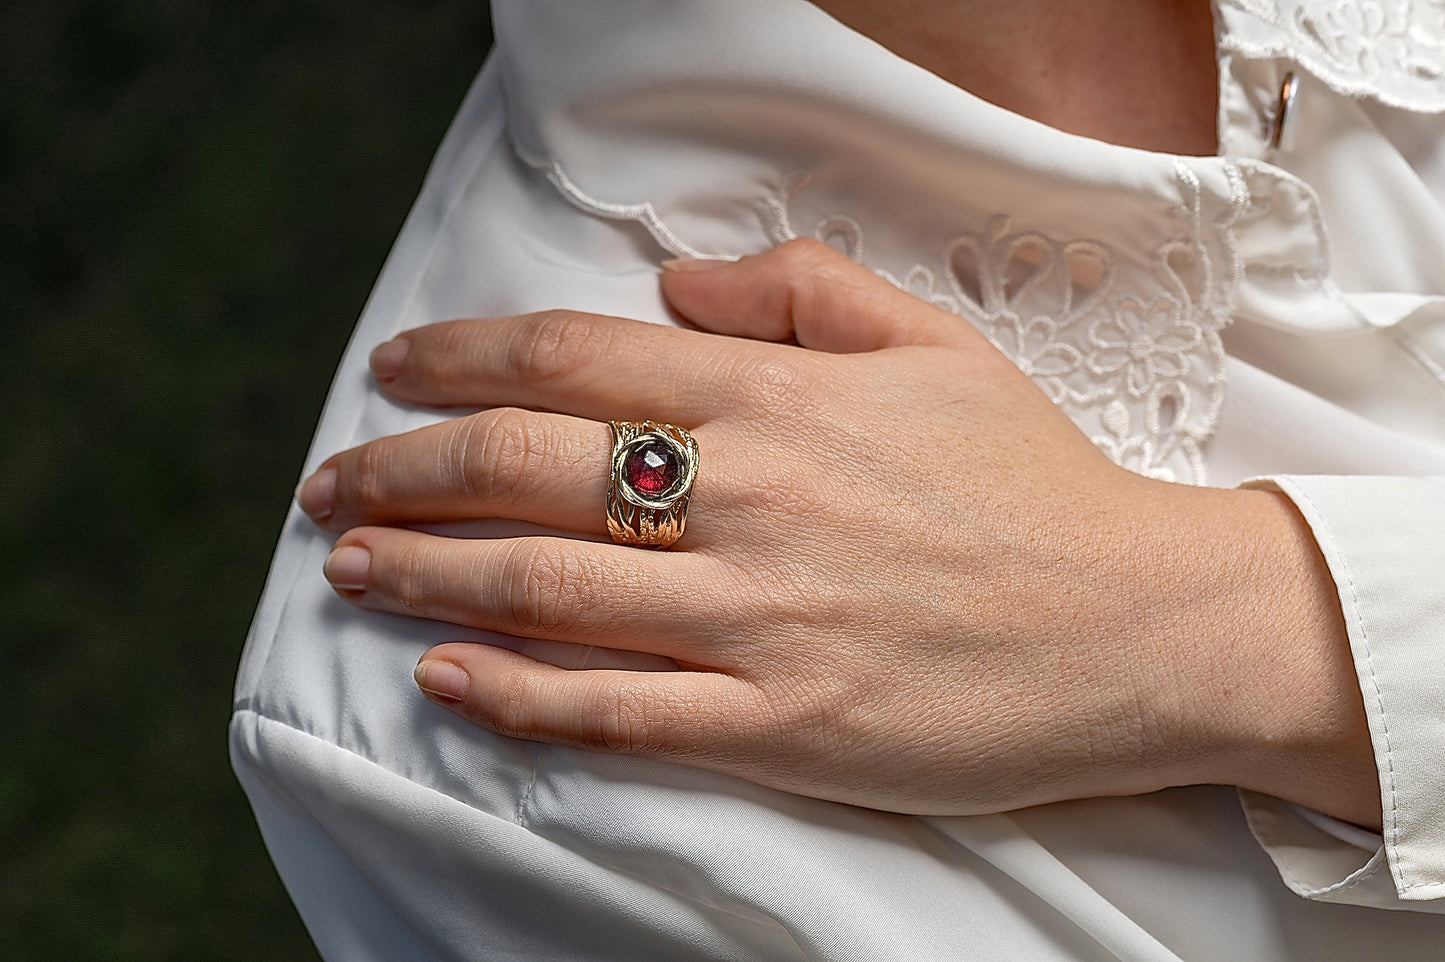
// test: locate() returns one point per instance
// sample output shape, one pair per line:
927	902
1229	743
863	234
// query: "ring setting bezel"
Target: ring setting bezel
685	471
660	453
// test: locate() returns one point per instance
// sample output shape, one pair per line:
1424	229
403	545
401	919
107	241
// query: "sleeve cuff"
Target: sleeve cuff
1384	542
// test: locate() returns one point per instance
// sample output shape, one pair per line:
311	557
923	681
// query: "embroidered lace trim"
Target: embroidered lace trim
1130	352
1129	349
1391	50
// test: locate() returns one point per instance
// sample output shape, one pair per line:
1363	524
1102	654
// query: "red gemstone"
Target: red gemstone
651	468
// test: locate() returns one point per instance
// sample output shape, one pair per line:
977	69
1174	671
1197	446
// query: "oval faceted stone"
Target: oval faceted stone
651	468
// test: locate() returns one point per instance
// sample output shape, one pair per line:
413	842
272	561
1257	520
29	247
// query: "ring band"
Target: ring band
653	467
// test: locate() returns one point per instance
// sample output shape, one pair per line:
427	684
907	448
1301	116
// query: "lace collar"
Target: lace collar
1106	273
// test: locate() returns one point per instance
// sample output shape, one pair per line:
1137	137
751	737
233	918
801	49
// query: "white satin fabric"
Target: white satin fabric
1212	320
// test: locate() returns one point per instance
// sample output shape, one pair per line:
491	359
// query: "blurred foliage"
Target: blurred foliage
196	198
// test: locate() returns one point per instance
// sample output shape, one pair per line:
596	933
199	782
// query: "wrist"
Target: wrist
1265	695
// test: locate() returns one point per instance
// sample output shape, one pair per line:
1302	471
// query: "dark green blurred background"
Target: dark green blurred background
196	200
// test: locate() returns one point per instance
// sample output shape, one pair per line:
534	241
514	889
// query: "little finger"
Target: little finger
705	718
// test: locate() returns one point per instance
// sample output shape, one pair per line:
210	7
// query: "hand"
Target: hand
907	582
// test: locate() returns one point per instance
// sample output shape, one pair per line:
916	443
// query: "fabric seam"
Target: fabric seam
1425	361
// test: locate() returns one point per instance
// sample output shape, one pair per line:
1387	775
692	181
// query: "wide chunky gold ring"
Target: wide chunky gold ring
653	467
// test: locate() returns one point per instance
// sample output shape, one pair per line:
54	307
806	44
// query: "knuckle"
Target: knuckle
774	387
805	254
511	711
815	493
369	475
442	352
412	580
780	497
548	589
810	271
551	345
829	715
625	719
497	454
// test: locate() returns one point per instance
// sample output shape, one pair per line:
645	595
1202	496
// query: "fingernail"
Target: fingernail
387	359
317	494
346	567
692	265
442	679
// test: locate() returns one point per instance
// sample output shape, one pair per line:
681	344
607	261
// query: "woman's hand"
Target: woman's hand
907	581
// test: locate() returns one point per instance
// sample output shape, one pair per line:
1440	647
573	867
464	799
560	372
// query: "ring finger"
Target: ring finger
548	469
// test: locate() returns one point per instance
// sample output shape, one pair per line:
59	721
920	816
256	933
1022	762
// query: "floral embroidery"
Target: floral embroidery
1387	49
1146	344
1129	350
1035	347
1355	36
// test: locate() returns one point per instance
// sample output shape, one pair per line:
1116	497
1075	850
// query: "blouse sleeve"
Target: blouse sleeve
1384	541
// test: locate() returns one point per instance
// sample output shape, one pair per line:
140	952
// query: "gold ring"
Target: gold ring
653	467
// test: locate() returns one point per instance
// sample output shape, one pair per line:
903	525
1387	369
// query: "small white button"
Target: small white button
1281	133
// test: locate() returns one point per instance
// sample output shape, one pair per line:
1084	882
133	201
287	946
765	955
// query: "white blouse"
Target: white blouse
1274	313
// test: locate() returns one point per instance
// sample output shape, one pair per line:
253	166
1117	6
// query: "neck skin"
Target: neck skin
1138	73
